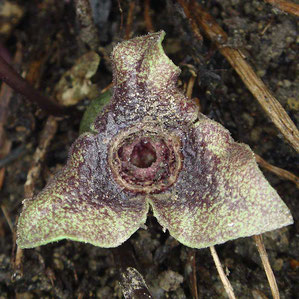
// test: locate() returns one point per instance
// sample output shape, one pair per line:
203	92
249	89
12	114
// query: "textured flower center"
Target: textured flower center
145	161
143	154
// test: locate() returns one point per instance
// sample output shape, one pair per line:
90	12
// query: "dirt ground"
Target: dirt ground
50	40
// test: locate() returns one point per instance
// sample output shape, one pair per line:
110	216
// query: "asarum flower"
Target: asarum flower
151	147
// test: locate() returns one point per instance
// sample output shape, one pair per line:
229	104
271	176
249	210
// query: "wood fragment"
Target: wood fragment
147	17
278	171
192	277
7	217
110	85
267	26
286	6
88	31
191	20
16	258
130	20
264	257
47	135
227	286
5	145
237	59
190	86
121	16
2	174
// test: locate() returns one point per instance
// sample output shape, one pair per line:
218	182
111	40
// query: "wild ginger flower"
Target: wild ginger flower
152	147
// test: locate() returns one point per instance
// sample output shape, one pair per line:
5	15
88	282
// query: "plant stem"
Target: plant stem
286	6
264	257
15	81
228	287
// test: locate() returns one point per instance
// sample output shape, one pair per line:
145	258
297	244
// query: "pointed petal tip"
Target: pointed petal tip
187	237
29	236
221	194
79	205
146	54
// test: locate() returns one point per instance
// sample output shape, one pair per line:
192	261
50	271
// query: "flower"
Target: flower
150	146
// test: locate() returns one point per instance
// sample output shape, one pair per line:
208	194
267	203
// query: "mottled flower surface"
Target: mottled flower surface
151	147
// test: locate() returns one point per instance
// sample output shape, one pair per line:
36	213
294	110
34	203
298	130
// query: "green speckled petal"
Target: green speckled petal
81	203
221	194
147	144
145	85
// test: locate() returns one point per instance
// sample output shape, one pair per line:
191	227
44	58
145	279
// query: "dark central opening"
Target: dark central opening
143	154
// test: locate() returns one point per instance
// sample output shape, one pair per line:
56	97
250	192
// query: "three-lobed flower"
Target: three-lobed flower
151	147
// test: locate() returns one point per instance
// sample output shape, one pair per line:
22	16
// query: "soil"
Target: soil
49	34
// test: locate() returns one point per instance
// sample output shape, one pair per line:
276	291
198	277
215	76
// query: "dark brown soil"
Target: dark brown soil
48	32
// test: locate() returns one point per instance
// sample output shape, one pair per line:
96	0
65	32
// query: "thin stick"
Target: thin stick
227	286
130	20
2	173
15	81
47	135
278	171
264	257
191	20
88	31
237	59
6	215
190	86
5	145
16	258
147	17
121	16
107	88
193	278
285	6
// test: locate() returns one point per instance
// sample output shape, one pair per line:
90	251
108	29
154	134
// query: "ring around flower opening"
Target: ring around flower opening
145	160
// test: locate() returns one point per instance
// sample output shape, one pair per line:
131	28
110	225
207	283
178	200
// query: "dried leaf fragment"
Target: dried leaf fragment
75	84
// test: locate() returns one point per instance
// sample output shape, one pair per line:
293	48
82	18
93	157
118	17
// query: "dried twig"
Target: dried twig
88	32
16	259
5	145
47	135
2	173
130	20
285	6
191	20
193	279
147	16
227	286
278	171
237	59
190	86
121	15
110	85
6	215
264	257
267	26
